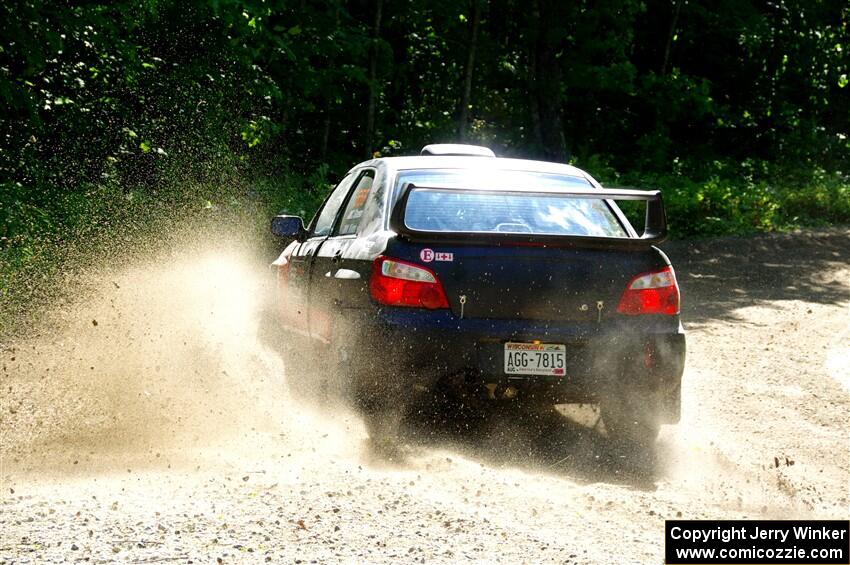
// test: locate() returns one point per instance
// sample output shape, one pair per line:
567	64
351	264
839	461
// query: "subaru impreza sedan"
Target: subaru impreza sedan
455	274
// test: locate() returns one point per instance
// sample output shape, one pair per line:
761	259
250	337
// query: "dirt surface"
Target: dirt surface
153	424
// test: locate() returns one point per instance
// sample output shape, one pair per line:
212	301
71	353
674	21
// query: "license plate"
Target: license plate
535	359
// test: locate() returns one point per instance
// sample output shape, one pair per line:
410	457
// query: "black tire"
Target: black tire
416	414
276	338
631	418
298	381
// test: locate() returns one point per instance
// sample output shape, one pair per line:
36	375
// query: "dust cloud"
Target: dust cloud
157	362
163	360
148	418
160	361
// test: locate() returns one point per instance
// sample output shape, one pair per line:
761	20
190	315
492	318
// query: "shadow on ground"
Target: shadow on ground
720	275
537	441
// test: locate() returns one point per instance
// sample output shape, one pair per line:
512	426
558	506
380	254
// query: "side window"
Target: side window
325	220
373	212
353	214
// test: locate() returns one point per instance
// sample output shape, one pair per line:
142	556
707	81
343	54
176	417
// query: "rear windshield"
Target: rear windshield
512	212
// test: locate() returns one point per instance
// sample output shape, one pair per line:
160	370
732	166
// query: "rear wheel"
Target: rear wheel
631	417
448	407
296	370
296	374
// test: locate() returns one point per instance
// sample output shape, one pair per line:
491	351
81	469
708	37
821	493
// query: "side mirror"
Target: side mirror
288	227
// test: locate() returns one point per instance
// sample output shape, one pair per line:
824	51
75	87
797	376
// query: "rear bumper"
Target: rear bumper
401	349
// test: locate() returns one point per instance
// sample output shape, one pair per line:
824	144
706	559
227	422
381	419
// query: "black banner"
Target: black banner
760	542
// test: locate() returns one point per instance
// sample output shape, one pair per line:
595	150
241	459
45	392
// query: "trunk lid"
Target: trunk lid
530	283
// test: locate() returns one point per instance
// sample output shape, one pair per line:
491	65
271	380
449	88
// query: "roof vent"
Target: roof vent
446	149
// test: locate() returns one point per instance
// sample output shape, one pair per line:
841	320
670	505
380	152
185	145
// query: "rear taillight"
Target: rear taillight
651	293
399	283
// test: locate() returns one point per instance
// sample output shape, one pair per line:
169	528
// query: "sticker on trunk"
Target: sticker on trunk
427	255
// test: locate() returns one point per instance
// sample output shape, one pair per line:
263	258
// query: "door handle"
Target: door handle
346	274
337	257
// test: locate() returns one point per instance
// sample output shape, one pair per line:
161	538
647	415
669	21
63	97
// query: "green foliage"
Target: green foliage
736	198
123	90
115	114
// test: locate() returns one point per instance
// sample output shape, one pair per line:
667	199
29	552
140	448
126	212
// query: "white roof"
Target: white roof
395	164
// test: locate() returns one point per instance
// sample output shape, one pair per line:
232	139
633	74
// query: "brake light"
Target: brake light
651	293
399	283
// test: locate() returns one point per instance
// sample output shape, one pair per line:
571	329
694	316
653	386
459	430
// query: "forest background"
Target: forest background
118	119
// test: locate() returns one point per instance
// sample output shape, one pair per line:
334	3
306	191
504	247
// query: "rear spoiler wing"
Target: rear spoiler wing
654	231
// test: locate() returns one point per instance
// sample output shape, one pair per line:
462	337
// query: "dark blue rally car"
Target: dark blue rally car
460	275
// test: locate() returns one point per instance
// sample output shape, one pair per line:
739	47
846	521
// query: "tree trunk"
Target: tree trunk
673	24
466	98
326	132
326	129
373	79
546	83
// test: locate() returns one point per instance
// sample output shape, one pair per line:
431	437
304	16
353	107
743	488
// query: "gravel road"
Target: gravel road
152	424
